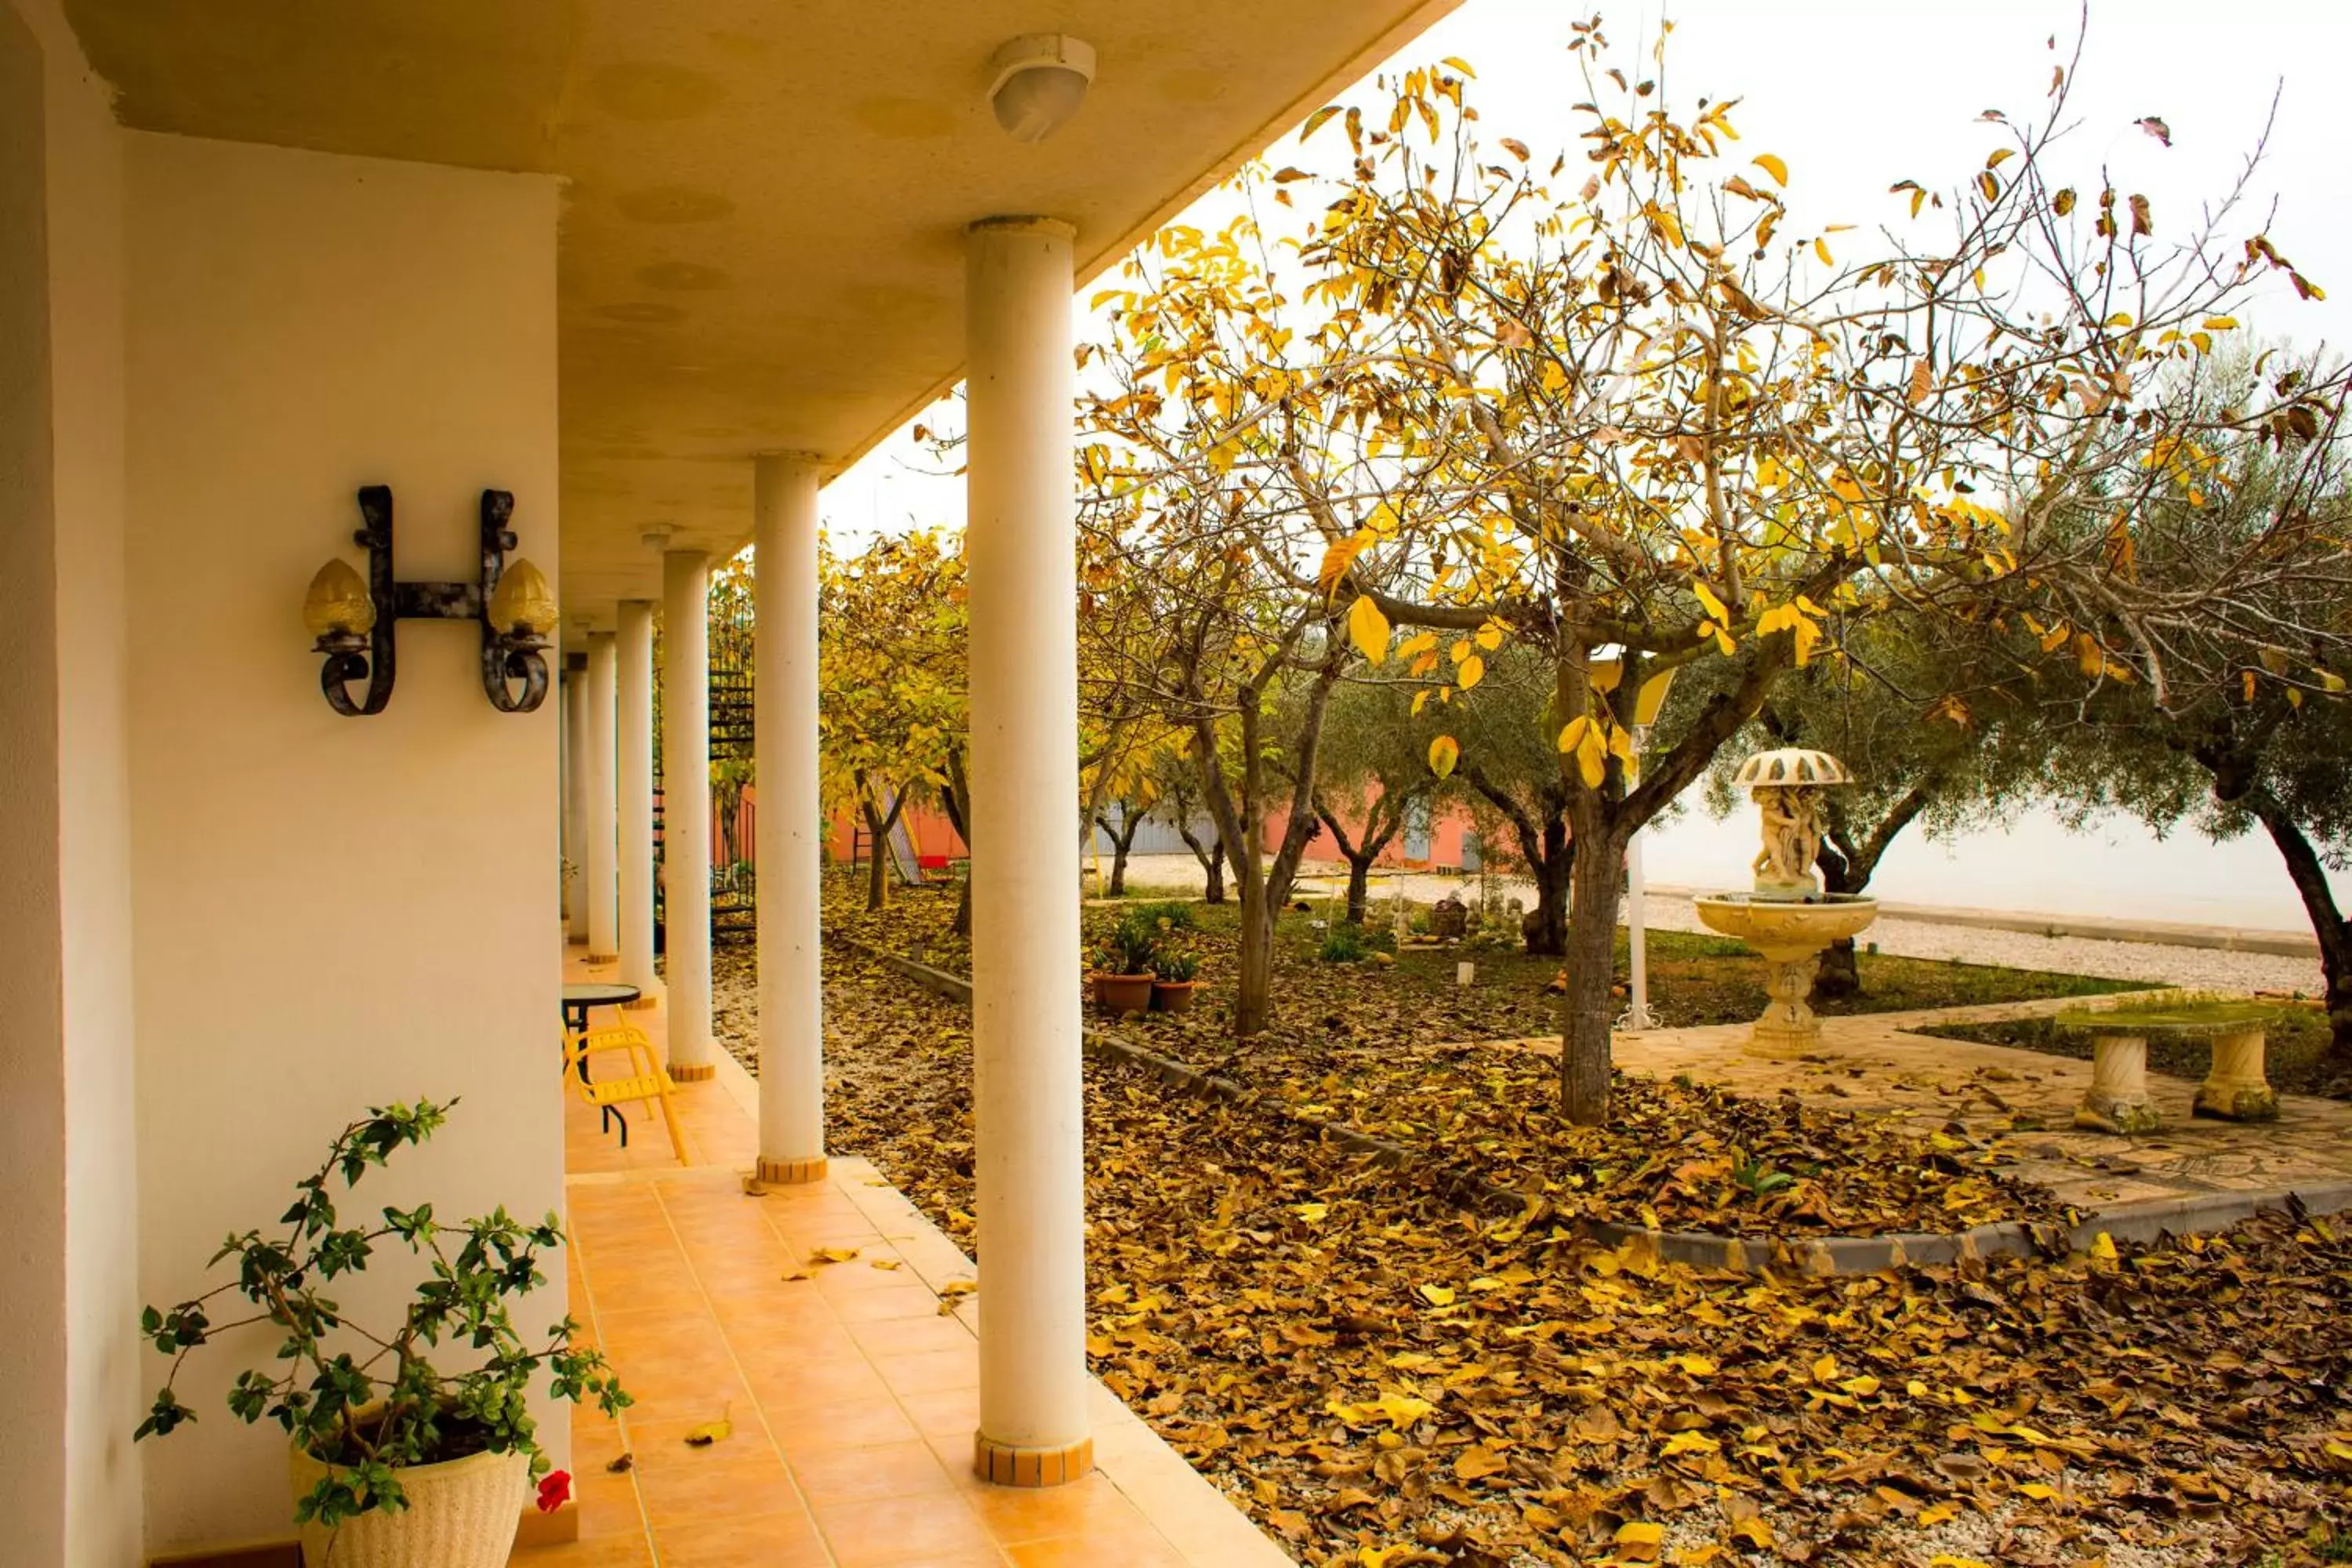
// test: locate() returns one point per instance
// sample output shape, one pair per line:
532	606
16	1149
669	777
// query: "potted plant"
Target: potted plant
1175	976
395	1463
1122	974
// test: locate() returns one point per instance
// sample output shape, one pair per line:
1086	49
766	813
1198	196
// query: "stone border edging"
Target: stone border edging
2140	1222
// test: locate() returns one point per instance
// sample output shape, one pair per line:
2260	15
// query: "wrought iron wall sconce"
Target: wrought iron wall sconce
353	621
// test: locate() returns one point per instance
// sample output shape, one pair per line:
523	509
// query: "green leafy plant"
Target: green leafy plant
1129	946
1175	965
370	1404
1759	1179
1345	943
1168	914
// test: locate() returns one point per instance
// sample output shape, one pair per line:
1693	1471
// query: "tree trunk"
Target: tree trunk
1545	929
878	826
1839	973
1359	887
952	800
2305	869
1211	857
1591	978
1122	838
1253	988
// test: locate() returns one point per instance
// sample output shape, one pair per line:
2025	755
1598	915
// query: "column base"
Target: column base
1001	1464
2236	1086
691	1072
596	959
790	1173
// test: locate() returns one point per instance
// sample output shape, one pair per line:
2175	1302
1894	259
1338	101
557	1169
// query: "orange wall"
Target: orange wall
1447	831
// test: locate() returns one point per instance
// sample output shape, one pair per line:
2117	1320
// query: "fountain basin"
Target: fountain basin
1790	934
1787	924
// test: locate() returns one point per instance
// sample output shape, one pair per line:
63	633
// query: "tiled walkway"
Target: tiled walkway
851	1391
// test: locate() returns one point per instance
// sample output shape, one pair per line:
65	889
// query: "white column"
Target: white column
1019	555
784	686
575	796
603	839
633	728
686	808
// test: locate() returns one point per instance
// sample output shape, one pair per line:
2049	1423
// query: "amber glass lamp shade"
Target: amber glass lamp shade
523	602
338	603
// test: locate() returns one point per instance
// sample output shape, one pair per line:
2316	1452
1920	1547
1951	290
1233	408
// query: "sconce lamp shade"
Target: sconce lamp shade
523	602
338	604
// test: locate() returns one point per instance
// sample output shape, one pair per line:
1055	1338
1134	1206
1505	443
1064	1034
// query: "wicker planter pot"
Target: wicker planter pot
1123	993
460	1514
1174	996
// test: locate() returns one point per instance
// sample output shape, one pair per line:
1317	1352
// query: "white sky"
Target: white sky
1857	94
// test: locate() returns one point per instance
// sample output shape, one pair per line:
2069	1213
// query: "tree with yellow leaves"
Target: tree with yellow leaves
891	716
1650	427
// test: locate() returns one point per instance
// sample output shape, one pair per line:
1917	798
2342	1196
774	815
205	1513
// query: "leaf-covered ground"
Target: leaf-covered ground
2295	1050
1381	1378
1358	1044
1693	979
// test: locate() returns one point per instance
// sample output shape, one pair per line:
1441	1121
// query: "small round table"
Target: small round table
577	1000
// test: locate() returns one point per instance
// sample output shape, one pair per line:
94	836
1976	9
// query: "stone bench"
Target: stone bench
2232	1028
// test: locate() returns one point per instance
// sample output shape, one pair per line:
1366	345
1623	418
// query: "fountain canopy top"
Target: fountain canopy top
1791	765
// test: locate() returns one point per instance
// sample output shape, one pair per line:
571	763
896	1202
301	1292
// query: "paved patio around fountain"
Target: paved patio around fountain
1878	1064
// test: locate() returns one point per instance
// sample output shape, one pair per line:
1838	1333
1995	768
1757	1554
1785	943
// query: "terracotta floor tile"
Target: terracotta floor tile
803	1429
1138	1548
910	1336
911	1301
770	1540
936	1530
1090	1507
607	1504
950	1412
930	1370
741	1476
614	1552
832	1477
797	1380
691	1394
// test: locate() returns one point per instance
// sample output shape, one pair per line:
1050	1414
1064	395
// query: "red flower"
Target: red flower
555	1491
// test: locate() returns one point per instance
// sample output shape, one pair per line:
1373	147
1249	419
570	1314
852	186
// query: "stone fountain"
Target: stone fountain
1788	918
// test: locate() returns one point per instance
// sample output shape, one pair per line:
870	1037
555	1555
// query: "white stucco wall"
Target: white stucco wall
330	912
67	1374
32	1054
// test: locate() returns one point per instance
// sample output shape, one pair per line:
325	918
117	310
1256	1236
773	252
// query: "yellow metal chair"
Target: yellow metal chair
647	1081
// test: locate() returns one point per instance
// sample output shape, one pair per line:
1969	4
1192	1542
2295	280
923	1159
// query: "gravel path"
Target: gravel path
2153	962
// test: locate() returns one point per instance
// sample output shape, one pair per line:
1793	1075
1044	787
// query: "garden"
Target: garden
1437	488
1380	1371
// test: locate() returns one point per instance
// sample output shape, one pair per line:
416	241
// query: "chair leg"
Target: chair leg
677	1138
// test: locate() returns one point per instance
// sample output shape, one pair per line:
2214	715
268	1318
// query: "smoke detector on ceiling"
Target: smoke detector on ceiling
1040	81
656	535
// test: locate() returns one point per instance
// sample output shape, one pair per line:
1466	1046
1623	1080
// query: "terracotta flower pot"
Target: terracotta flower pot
463	1513
1174	996
1123	993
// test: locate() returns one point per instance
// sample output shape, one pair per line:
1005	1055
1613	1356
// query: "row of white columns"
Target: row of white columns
608	714
1020	563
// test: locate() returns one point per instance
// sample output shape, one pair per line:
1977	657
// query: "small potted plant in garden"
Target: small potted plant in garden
1175	972
395	1463
1122	976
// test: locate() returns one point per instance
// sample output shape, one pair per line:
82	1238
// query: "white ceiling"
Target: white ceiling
762	245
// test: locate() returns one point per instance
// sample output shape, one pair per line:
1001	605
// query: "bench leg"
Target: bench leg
2236	1086
2117	1099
